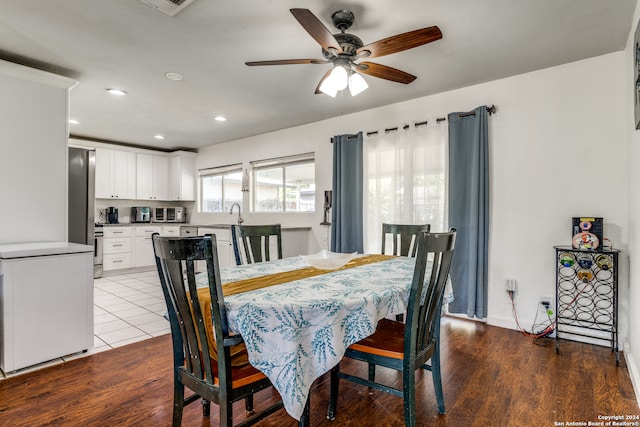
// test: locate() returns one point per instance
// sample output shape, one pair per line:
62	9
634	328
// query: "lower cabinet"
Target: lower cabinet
117	248
170	231
131	246
144	246
223	240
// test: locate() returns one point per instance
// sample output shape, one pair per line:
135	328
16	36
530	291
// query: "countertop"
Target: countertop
23	250
186	224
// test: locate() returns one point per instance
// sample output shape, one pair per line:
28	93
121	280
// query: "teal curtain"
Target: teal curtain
347	220
469	210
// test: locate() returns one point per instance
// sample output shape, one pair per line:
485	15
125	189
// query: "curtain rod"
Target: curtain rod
405	127
491	110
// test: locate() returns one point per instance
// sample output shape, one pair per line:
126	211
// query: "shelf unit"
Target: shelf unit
587	297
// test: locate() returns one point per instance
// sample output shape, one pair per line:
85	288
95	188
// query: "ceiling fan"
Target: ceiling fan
344	49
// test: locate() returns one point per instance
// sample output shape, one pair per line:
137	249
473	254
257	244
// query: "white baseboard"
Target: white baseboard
502	323
633	373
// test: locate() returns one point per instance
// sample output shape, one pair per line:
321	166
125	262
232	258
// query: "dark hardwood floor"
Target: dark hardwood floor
491	377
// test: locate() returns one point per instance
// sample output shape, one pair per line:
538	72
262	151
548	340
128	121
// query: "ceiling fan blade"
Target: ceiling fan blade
401	42
286	62
317	92
316	29
384	72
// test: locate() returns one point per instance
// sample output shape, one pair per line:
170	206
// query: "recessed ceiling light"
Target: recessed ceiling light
116	92
220	118
73	121
174	76
158	137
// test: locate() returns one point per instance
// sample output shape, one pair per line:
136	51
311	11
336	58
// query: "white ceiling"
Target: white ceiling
128	45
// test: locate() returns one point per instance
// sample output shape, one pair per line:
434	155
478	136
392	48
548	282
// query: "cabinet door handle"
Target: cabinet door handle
117	246
117	260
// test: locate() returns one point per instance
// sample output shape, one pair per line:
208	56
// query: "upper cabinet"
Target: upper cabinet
182	180
143	176
152	177
115	174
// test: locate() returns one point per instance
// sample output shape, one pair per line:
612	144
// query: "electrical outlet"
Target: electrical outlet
546	306
510	284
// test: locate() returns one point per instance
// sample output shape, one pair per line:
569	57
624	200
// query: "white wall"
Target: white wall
33	154
632	348
557	150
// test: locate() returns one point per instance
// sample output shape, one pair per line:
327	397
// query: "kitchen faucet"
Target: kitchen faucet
240	220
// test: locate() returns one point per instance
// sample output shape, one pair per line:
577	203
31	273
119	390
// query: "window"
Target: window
405	180
220	188
285	184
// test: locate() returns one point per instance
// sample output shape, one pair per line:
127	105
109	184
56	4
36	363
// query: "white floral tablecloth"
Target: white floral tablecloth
297	331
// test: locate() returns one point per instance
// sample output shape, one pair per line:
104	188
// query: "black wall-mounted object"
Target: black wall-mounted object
636	76
328	194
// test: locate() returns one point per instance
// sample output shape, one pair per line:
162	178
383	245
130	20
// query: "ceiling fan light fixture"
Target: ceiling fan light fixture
357	84
328	88
340	77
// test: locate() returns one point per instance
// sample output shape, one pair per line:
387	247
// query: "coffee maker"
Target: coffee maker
112	215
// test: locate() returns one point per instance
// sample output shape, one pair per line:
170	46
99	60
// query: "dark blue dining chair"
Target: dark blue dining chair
410	346
404	238
251	243
211	371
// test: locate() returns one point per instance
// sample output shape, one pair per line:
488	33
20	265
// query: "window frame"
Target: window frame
220	171
284	162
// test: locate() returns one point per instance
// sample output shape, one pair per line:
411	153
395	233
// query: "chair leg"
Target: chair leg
178	404
409	396
248	404
333	393
435	366
437	378
206	408
372	375
305	419
226	413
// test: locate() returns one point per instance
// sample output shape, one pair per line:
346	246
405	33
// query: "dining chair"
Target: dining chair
406	234
211	371
407	347
255	242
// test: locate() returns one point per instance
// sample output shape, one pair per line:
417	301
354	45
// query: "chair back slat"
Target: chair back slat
255	246
175	259
404	238
425	299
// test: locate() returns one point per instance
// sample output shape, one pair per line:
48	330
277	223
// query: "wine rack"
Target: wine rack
587	297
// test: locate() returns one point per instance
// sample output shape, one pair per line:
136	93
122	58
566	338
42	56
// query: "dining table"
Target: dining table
297	321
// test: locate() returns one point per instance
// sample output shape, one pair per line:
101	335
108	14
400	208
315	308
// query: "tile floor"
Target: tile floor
127	308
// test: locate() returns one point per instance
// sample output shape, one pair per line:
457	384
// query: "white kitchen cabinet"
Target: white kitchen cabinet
144	256
170	231
118	245
223	240
46	302
152	177
182	181
115	174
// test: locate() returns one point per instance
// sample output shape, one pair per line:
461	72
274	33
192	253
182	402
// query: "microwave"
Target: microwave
141	214
170	214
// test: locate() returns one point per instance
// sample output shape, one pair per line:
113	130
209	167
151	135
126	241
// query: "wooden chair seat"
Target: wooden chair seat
387	341
240	376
